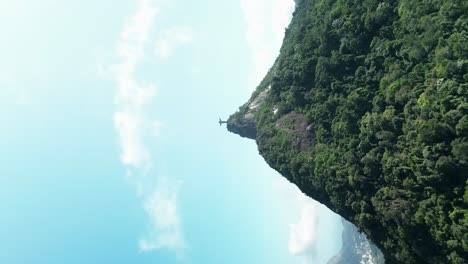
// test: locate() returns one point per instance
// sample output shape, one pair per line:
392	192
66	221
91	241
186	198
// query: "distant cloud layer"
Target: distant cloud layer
134	127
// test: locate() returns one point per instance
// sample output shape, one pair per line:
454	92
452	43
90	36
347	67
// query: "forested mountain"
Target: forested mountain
366	111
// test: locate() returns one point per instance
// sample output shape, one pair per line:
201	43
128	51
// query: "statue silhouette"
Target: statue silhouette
221	122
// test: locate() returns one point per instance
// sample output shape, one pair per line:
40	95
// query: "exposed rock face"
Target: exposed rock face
258	100
244	122
244	125
296	125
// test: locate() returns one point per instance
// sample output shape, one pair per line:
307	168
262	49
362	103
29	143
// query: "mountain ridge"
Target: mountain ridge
365	110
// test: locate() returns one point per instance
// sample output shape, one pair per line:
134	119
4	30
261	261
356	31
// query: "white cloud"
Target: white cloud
129	119
266	22
303	216
170	39
302	235
313	228
134	127
162	209
128	127
315	231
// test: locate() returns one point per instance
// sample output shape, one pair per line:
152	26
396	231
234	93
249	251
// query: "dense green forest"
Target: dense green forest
367	112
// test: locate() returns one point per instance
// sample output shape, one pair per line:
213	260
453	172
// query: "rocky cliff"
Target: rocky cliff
366	111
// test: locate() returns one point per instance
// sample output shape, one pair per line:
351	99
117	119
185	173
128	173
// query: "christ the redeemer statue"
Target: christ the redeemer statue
222	122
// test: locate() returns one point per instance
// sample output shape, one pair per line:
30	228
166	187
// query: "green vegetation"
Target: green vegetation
383	85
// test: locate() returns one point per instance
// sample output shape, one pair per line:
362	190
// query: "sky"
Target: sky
110	147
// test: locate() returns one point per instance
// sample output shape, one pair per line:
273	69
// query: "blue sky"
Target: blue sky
111	151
